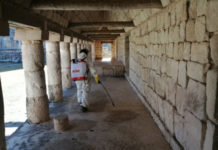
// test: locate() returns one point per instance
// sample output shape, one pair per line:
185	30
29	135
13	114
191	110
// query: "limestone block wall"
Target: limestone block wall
174	65
98	48
121	49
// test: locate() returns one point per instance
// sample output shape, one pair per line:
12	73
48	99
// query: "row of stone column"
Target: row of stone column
58	55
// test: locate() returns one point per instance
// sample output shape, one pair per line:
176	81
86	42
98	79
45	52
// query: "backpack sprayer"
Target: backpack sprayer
107	93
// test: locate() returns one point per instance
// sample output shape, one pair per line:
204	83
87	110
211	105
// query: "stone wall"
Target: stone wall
98	48
174	65
121	49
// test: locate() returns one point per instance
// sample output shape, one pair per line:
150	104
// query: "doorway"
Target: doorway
106	52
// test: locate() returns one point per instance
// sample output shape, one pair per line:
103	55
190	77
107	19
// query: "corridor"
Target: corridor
157	58
126	126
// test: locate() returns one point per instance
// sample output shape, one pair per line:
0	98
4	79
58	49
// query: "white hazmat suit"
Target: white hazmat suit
84	85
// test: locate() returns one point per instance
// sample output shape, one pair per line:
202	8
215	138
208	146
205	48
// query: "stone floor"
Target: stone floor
127	126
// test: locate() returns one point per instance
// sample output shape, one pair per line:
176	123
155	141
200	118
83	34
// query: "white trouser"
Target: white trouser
82	92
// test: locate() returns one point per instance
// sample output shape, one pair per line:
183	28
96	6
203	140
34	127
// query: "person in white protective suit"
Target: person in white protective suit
81	72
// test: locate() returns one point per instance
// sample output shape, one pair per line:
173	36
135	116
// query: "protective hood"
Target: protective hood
82	56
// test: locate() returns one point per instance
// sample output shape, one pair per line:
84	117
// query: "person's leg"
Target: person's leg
85	90
86	93
79	91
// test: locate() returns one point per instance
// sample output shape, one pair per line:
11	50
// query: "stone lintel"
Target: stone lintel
28	34
67	39
74	39
54	37
80	41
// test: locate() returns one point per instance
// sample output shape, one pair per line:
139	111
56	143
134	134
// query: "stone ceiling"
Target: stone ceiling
68	12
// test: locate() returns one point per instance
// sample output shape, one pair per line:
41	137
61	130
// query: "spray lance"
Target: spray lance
107	93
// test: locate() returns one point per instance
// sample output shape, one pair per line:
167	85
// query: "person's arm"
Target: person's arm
94	73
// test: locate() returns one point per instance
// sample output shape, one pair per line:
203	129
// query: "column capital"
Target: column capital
80	41
74	39
67	39
53	37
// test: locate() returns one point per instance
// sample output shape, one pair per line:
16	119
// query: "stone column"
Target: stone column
2	123
54	71
78	48
33	65
82	46
73	50
93	52
65	64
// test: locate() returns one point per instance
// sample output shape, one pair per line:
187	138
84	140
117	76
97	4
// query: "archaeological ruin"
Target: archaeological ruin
157	60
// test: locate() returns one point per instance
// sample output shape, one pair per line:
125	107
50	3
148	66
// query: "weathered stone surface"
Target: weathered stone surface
169	50
176	34
209	138
211	92
160	84
73	50
179	128
173	16
32	55
212	16
187	51
214	49
65	54
190	31
163	64
37	109
181	100
193	9
160	108
199	52
201	7
28	34
35	84
182	77
166	20
182	31
79	48
196	71
168	116
165	2
200	28
180	51
172	68
53	65
55	92
181	13
61	123
66	78
171	91
196	99
65	65
33	63
193	132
